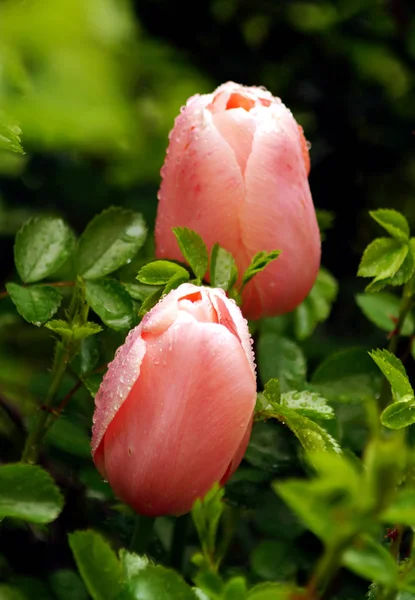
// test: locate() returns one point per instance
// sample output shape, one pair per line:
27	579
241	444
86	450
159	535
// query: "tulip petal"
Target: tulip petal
279	214
184	420
237	127
240	453
202	186
231	317
117	384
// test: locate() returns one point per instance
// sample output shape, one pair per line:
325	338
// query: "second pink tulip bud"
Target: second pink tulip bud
236	172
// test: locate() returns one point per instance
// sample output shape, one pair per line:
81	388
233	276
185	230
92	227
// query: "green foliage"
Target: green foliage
28	492
156	582
36	303
42	246
308	404
258	263
281	358
110	240
394	222
382	258
391	261
97	563
67	585
206	514
395	373
399	414
160	272
110	301
194	250
316	307
10	136
382	309
371	560
223	269
346	376
335	490
72	330
291	411
402	509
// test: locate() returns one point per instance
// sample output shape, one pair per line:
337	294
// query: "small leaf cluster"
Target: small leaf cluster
166	275
389	260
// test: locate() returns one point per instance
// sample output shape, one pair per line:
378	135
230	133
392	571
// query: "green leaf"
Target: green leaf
110	240
311	436
383	310
347	376
67	585
175	282
402	275
42	245
223	269
111	302
132	564
308	404
271	448
160	272
70	437
329	503
28	492
74	331
393	221
399	414
272	391
36	303
235	589
92	383
271	561
206	514
317	306
382	258
395	373
8	592
87	358
372	561
402	509
209	582
258	264
156	582
139	291
193	249
281	358
150	301
276	591
9	135
97	564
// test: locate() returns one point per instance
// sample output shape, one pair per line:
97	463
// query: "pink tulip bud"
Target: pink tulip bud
174	412
236	172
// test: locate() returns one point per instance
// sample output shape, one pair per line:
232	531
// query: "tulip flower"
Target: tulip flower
236	172
174	412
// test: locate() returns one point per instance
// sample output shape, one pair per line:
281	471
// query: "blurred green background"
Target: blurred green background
92	88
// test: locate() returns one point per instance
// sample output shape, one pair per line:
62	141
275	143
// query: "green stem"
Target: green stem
406	306
179	542
142	532
35	437
326	569
63	355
